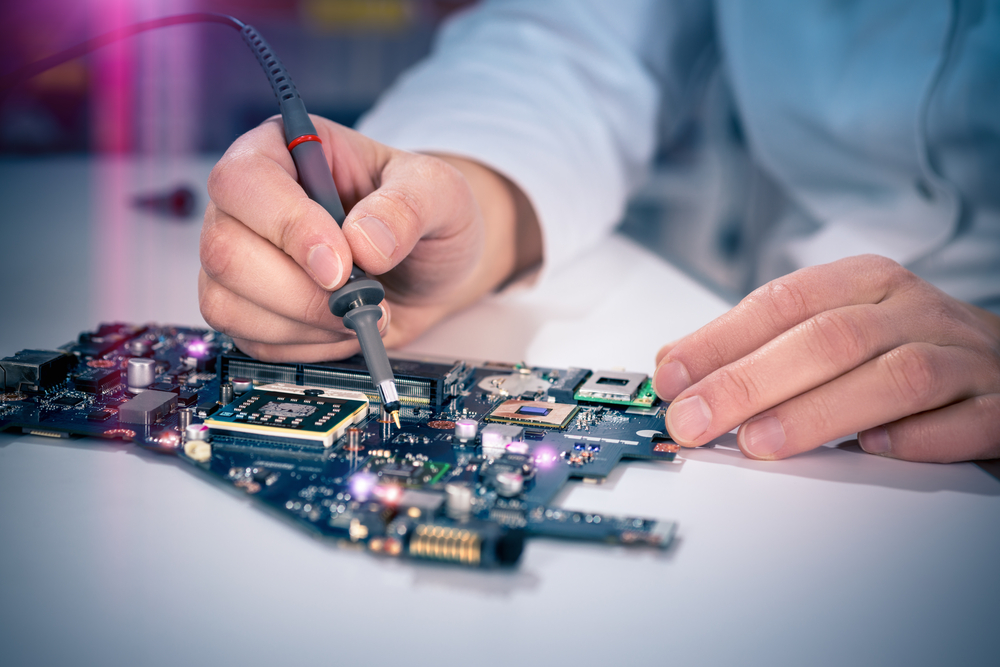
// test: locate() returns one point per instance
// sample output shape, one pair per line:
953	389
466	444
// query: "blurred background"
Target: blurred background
194	88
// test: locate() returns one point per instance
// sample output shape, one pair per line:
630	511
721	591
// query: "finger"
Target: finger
235	316
298	353
908	380
964	431
772	310
811	354
424	211
665	350
247	265
254	182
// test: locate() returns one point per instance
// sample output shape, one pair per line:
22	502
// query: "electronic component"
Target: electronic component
418	382
496	437
141	372
35	370
458	505
241	385
206	409
413	473
96	380
563	388
516	384
480	544
286	412
187	397
508	484
147	407
533	413
99	415
465	429
618	388
67	401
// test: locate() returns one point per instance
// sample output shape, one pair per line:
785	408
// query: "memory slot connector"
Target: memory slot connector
423	383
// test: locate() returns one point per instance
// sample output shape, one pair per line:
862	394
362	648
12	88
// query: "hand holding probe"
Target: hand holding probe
357	302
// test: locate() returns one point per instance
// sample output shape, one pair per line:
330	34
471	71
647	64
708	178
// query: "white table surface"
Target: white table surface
114	556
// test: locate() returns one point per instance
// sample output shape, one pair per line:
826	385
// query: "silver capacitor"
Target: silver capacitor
184	418
242	386
196	432
226	393
140	373
509	484
458	503
465	429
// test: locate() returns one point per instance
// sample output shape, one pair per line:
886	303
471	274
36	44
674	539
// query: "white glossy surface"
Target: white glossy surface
114	556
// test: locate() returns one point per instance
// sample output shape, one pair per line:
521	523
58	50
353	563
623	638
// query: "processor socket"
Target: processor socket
612	386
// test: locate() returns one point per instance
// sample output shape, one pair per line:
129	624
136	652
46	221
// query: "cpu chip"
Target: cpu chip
533	413
291	413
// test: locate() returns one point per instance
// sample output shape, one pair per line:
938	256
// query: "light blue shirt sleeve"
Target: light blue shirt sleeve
561	97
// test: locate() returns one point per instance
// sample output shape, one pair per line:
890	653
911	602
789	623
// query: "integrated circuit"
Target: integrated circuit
285	412
533	413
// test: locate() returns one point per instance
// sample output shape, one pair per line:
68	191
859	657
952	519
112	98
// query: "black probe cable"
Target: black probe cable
357	302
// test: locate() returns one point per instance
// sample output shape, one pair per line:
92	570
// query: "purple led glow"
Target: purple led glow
197	348
362	484
545	457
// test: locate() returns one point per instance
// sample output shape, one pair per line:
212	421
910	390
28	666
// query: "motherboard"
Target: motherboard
481	453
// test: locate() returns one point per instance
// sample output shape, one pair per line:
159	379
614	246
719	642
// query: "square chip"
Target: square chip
291	413
533	413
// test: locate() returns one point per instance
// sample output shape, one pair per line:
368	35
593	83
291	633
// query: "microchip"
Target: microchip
533	413
285	413
67	401
98	415
96	380
415	474
618	388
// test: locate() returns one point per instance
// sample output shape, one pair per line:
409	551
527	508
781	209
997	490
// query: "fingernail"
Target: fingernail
325	264
378	234
688	419
875	440
763	437
671	379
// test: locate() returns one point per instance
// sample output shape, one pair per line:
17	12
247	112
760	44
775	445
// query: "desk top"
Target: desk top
111	555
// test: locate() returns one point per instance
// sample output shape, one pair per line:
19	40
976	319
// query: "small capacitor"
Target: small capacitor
465	429
226	393
195	432
354	439
140	373
458	503
139	347
242	385
509	484
184	418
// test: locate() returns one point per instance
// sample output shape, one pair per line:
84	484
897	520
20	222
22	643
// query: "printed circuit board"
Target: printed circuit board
483	449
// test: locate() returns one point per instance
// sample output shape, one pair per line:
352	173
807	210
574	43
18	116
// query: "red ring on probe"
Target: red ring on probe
301	140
